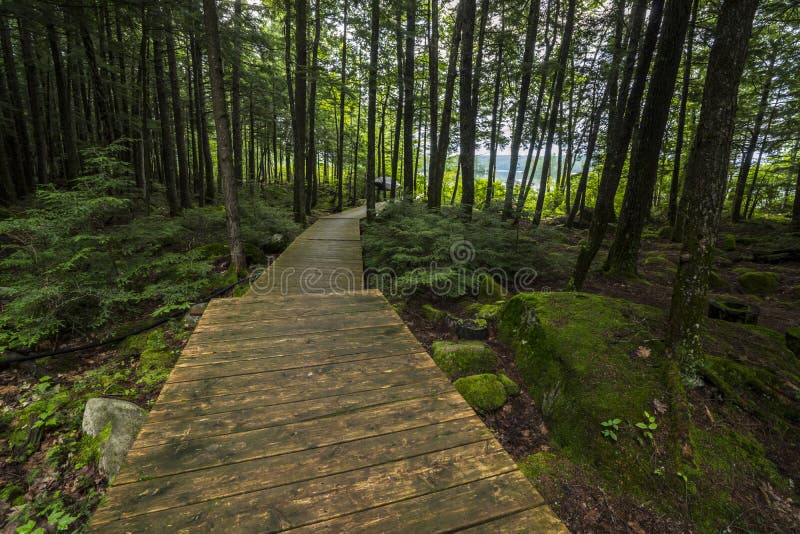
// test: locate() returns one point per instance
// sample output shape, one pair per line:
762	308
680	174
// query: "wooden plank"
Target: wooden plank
252	417
128	500
191	455
279	363
309	380
444	511
539	519
294	505
242	328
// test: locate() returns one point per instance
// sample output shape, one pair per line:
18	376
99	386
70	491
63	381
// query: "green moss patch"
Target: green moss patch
511	387
758	282
460	358
485	392
432	314
586	362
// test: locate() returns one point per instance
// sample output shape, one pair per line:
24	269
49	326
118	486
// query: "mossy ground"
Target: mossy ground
758	282
587	359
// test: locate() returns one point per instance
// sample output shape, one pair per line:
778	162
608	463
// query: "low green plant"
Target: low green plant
611	427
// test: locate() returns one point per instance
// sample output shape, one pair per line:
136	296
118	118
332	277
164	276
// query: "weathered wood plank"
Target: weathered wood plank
252	417
191	455
443	511
539	519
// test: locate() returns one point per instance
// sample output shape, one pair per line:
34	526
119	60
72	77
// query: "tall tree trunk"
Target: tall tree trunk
27	182
202	124
340	141
594	130
236	96
434	185
408	110
144	107
706	173
447	102
563	57
251	145
398	121
618	138
497	106
747	161
311	157
467	111
167	146
750	202
184	184
796	204
372	104
674	186
300	87
643	172
522	105
224	150
35	100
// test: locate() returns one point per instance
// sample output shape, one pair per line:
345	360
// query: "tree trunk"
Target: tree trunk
522	105
372	104
236	96
144	107
340	142
467	111
674	186
184	184
167	146
224	151
706	173
398	121
202	124
643	172
563	56
27	182
497	106
300	86
35	100
434	186
618	138
747	161
311	157
408	111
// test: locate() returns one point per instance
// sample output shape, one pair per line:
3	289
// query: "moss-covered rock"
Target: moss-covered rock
461	358
432	314
484	392
512	388
758	282
728	242
658	261
489	290
487	312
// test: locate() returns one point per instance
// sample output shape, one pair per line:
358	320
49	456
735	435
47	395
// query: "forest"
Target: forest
627	172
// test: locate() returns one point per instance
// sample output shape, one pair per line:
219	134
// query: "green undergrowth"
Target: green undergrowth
44	428
596	370
410	248
80	260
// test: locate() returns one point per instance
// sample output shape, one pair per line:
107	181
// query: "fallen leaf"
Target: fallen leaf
708	414
659	407
643	352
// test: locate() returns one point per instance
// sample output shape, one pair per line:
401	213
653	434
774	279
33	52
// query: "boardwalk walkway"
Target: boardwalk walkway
293	409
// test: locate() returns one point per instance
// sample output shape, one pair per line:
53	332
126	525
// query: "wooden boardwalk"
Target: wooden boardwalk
299	410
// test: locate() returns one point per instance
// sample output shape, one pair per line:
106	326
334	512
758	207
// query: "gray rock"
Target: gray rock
125	419
198	309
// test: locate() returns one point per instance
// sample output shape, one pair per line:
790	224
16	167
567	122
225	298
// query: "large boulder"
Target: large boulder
124	418
485	392
758	282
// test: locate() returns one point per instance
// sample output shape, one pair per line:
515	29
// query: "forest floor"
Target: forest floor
581	498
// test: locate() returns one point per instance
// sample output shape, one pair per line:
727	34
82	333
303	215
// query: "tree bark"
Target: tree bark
619	135
408	110
167	144
372	105
496	116
434	186
236	96
643	172
467	111
35	101
184	184
340	142
706	173
301	56
563	56
311	157
674	186
202	123
224	150
522	106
